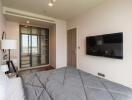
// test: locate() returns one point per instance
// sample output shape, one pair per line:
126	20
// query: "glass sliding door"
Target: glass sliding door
35	51
25	50
34	46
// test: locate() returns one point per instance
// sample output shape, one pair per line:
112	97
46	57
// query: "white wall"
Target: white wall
12	31
61	44
2	27
109	17
58	44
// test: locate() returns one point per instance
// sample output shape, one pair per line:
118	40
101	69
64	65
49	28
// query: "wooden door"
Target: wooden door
71	47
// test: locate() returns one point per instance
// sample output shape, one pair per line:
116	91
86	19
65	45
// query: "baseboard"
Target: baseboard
22	69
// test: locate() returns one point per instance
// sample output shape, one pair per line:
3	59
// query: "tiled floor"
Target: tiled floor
24	72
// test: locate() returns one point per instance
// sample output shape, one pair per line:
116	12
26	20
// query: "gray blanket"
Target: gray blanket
71	84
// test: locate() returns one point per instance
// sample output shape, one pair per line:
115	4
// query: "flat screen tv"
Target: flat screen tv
108	45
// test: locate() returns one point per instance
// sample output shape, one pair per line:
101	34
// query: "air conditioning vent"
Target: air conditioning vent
27	16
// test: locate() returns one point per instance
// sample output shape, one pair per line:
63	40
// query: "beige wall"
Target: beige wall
2	27
109	17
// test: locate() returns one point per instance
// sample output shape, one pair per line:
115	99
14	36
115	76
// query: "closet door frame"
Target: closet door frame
39	36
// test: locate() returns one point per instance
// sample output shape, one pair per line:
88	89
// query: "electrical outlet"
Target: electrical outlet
101	74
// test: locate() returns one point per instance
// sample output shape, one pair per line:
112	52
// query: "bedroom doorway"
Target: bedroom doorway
71	47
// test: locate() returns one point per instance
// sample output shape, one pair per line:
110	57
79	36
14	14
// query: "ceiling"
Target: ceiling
62	9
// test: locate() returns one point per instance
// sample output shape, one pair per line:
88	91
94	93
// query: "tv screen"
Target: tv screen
108	45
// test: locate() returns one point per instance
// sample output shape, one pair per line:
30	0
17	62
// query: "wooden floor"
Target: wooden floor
25	72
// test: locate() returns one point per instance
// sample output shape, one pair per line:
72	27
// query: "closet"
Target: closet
34	46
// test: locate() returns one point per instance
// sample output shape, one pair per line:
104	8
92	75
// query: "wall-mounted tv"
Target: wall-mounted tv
108	45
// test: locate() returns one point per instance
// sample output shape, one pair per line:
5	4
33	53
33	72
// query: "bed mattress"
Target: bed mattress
71	84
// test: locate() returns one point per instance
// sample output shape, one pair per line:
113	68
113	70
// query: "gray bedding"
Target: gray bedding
71	84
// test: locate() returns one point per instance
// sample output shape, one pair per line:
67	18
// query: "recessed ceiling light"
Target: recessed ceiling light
27	21
50	4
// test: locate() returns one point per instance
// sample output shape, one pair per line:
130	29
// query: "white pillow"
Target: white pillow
3	85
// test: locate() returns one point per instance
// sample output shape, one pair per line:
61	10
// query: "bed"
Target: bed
71	84
15	90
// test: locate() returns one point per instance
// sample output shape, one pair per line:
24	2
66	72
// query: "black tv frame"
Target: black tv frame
108	56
